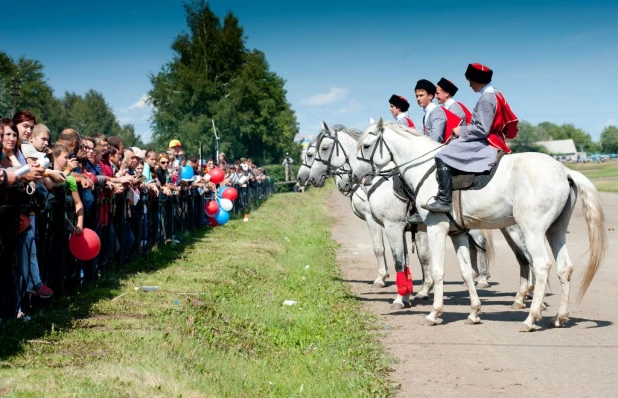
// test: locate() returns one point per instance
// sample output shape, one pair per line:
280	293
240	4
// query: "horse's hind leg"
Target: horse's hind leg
422	251
515	239
378	249
556	235
479	261
463	255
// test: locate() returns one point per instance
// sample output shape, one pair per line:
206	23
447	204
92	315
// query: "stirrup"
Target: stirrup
415	219
437	207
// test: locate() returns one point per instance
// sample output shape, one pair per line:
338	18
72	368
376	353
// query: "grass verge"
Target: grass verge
217	326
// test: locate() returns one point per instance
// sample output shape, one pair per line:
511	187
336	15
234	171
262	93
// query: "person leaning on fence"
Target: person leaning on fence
30	279
287	164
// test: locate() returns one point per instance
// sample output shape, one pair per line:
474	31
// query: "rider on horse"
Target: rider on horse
477	146
399	106
445	91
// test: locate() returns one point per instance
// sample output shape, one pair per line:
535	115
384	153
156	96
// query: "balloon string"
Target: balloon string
67	220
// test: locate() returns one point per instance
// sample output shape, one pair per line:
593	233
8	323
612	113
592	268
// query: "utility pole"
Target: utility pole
15	92
217	139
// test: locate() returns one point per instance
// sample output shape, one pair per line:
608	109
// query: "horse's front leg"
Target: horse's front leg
396	235
467	273
436	239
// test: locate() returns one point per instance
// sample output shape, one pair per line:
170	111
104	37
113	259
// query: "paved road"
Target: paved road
494	358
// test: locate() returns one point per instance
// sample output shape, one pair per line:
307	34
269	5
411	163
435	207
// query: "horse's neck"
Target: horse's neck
413	159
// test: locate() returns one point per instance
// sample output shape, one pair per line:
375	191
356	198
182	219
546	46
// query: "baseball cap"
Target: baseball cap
174	143
140	153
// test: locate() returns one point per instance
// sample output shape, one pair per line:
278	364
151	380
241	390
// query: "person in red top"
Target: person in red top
475	149
399	108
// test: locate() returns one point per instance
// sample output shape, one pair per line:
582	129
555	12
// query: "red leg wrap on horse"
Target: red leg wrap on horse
409	285
402	284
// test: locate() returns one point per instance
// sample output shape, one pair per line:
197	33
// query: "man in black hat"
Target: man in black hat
434	121
399	107
445	91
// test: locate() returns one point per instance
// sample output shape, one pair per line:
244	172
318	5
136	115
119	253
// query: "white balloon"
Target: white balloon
226	204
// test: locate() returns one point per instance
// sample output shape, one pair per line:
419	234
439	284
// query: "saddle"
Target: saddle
473	181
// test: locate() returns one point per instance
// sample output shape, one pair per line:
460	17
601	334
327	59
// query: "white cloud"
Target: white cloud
610	122
335	94
352	107
141	103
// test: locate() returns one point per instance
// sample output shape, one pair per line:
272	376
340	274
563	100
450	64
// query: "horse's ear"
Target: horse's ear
380	125
323	125
327	127
371	121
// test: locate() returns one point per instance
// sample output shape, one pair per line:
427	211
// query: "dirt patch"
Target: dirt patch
455	359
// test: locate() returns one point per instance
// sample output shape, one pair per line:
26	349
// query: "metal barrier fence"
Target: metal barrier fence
126	231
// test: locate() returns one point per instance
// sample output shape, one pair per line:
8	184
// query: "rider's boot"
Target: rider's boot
444	199
415	218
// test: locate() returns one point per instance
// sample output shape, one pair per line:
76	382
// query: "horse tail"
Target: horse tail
595	221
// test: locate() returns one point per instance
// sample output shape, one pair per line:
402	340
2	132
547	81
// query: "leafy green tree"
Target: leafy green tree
526	139
214	77
609	139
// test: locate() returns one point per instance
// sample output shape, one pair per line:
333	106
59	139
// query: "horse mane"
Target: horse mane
355	134
405	132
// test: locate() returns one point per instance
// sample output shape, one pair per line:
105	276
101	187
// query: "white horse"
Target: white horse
531	190
360	207
388	210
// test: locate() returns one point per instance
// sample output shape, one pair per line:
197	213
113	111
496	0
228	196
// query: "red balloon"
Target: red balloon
230	193
212	208
213	222
216	175
85	246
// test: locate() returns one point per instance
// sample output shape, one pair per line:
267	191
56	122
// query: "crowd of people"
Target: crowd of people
82	165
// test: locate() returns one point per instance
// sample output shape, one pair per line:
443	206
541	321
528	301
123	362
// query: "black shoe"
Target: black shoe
444	199
415	219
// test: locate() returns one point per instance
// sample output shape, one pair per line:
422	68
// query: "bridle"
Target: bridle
330	169
380	142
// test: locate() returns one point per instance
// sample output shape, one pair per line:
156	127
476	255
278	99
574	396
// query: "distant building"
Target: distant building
559	147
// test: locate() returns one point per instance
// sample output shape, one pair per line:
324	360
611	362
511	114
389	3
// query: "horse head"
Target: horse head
329	155
372	151
305	168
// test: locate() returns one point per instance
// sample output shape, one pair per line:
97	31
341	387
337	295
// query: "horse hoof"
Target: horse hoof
557	322
518	306
379	283
526	328
420	296
473	321
482	285
407	304
429	322
397	306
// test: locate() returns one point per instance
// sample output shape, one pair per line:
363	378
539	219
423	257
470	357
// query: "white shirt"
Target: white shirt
488	88
448	103
428	109
401	116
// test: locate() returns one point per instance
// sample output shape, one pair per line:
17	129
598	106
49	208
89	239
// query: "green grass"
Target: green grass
217	327
603	175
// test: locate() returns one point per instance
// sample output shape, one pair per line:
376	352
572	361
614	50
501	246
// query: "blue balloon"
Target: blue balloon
187	173
222	217
220	191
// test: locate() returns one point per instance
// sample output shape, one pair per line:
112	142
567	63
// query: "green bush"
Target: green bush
277	172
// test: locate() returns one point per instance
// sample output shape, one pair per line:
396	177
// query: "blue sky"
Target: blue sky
342	60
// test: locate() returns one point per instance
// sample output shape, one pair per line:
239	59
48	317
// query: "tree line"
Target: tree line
214	76
88	113
529	135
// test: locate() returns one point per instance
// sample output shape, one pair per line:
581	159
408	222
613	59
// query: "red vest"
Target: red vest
504	125
466	112
452	121
410	123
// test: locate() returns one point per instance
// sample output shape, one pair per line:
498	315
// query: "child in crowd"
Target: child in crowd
60	155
